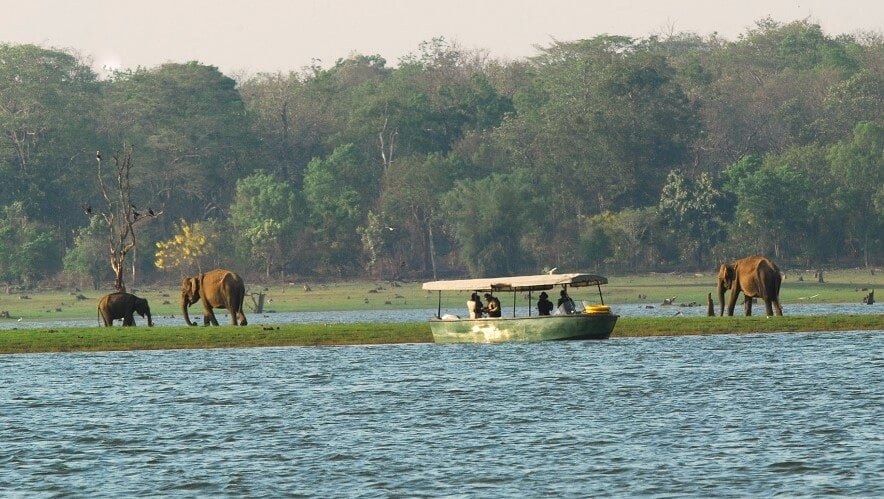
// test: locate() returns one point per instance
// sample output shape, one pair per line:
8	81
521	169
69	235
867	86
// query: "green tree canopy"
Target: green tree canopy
189	125
27	249
491	219
267	216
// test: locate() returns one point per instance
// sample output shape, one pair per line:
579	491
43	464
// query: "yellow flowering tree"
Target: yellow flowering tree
184	249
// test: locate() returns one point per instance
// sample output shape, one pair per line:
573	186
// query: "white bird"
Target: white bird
552	270
19	319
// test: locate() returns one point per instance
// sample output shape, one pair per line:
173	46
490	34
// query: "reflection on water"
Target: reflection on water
420	315
749	415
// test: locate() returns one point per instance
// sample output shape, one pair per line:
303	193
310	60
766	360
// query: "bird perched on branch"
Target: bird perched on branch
150	212
98	155
87	209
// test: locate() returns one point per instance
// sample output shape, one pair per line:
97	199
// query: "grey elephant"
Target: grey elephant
123	306
218	289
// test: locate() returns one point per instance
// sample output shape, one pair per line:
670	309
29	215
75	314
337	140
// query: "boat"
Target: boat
593	322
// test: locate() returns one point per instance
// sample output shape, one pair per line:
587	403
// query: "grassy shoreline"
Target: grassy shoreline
841	286
95	339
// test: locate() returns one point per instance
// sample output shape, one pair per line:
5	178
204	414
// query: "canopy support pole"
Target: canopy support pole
529	303
600	293
439	312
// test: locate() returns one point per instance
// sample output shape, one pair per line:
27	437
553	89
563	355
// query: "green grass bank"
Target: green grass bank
840	286
161	338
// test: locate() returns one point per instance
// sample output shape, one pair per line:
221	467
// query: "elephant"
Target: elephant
755	276
218	289
122	306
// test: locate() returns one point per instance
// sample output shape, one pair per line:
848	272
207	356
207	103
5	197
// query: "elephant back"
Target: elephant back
220	285
114	298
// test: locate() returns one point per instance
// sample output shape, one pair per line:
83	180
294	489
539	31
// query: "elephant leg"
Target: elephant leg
768	307
231	309
239	304
107	322
209	317
732	302
777	307
747	305
129	320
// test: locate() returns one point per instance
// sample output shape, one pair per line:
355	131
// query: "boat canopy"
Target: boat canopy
517	283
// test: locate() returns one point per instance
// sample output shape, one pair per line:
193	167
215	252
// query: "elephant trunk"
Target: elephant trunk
184	311
721	297
149	320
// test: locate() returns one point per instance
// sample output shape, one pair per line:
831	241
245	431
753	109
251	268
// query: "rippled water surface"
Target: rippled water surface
748	415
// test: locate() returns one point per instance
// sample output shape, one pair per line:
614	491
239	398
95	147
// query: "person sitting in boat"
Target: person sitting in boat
474	306
566	304
492	307
544	306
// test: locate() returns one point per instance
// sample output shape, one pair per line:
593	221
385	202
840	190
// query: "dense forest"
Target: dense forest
610	154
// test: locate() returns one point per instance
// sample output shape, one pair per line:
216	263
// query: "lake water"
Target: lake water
733	415
421	315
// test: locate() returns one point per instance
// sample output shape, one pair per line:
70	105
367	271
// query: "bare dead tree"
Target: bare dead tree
120	214
387	142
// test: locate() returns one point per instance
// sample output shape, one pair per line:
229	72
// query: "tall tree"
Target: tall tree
336	188
266	216
88	255
120	215
859	164
691	208
410	201
27	249
490	219
189	125
771	211
48	103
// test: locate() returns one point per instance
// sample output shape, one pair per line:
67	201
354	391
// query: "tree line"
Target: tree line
613	154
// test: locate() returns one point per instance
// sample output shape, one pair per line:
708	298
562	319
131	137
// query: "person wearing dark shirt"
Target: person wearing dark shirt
544	306
492	306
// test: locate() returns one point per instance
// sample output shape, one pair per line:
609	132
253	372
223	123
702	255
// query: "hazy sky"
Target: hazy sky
278	35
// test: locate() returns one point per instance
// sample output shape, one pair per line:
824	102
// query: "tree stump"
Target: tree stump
257	304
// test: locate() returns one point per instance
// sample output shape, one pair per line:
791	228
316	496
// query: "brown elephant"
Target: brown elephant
755	276
122	306
218	289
